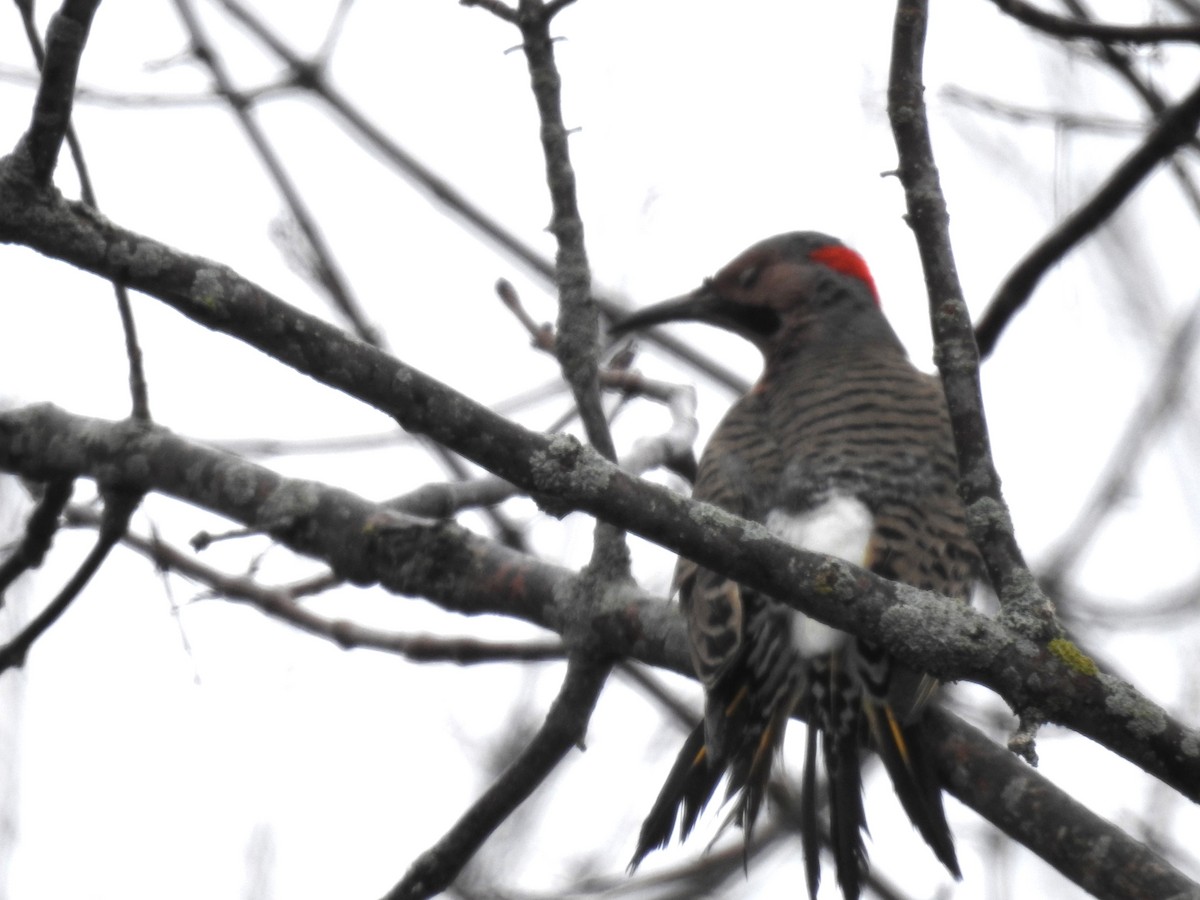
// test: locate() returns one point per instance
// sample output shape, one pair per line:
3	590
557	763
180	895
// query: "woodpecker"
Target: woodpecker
842	447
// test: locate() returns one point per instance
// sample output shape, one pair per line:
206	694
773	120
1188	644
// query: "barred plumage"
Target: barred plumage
842	447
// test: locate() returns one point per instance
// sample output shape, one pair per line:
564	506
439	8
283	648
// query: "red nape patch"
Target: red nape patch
846	261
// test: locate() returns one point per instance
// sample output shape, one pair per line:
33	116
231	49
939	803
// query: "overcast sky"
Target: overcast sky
157	750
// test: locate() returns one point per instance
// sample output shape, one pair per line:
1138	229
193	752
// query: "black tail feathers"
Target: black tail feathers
841	719
694	778
686	792
914	776
841	722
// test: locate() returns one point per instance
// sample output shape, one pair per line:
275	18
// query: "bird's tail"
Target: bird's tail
741	735
847	709
914	776
834	713
687	790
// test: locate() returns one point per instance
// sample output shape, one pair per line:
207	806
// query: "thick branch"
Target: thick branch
469	574
1089	850
366	544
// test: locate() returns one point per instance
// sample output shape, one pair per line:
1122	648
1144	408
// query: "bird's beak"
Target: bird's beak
701	305
706	305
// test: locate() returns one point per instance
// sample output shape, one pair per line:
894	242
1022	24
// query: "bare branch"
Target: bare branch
65	40
495	7
564	728
577	339
1075	29
467	573
138	389
1025	607
280	603
1048	821
542	336
1160	399
445	193
119	506
1174	129
39	533
328	271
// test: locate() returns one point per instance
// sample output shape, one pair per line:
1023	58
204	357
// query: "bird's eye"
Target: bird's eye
748	276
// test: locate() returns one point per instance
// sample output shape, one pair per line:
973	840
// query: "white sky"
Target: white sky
146	768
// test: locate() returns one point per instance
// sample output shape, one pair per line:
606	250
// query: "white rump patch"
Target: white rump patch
841	527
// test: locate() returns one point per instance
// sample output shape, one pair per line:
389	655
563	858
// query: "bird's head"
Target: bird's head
783	293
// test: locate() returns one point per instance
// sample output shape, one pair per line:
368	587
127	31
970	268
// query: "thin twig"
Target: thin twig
329	274
542	336
1076	29
680	712
1066	119
1173	130
119	506
281	603
564	728
312	79
88	95
39	533
1159	400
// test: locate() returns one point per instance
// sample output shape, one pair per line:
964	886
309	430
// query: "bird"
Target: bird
841	447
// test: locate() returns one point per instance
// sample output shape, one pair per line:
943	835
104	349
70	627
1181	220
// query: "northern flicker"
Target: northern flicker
842	447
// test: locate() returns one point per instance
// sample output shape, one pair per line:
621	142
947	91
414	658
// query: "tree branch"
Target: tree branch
1074	29
1160	400
119	506
138	389
564	728
577	343
281	603
328	273
1174	129
1089	850
365	544
1024	606
65	40
442	191
39	533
